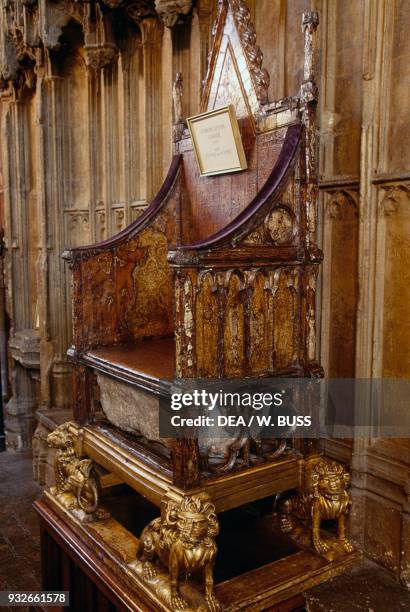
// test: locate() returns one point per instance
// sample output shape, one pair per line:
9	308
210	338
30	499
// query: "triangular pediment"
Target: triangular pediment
235	74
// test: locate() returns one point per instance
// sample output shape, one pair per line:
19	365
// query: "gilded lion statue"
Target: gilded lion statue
77	484
183	540
324	497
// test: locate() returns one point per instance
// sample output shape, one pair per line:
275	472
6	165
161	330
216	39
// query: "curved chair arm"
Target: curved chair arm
115	297
152	210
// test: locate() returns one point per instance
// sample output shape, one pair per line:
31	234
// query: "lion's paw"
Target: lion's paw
348	547
286	524
178	603
321	547
213	603
68	500
149	571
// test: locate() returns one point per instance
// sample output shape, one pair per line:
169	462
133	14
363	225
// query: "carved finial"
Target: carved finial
310	18
310	21
177	93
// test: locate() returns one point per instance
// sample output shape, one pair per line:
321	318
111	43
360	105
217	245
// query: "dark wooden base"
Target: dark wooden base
68	564
92	562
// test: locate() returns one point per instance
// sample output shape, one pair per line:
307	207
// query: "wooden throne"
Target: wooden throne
216	279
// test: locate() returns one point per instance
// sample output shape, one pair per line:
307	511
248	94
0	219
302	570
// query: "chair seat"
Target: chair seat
149	364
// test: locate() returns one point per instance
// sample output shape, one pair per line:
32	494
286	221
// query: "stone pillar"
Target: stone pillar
129	67
151	172
55	307
20	261
25	378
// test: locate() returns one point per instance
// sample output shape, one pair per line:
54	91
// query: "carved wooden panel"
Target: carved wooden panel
247	322
235	76
149	302
207	349
284	317
215	201
234	324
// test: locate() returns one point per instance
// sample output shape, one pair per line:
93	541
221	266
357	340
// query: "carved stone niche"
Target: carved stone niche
100	49
19	414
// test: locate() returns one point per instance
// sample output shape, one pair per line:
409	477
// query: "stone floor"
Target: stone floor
368	587
19	535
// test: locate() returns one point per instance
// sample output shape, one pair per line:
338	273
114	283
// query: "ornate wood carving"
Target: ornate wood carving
77	485
323	497
213	326
363	135
129	277
238	291
309	96
253	53
183	540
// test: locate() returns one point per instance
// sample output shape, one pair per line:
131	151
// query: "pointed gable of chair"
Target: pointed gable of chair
235	73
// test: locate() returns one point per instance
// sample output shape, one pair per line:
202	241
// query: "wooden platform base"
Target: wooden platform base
94	561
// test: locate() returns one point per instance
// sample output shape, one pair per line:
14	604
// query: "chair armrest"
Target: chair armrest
122	287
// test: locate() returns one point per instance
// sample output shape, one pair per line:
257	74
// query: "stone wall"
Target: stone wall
86	115
86	92
365	180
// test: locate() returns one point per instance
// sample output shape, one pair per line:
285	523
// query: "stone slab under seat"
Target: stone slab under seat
131	379
128	407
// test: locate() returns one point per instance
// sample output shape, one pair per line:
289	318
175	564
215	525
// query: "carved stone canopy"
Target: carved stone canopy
139	9
171	11
112	3
99	56
30	28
